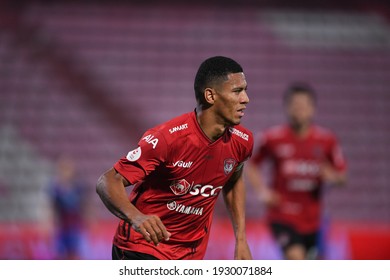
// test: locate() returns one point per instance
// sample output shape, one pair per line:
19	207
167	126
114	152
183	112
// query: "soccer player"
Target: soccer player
303	157
68	195
178	170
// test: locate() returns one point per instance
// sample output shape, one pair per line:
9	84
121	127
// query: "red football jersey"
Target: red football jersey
178	173
296	178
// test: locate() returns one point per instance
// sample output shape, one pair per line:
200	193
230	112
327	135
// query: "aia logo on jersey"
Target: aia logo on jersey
150	139
180	187
228	165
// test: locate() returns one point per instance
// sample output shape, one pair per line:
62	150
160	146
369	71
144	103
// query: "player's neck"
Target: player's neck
300	130
210	127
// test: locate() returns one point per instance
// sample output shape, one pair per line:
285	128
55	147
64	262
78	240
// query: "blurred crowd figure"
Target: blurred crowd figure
68	199
303	157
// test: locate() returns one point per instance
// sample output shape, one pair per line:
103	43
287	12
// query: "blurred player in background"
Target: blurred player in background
68	198
303	157
178	170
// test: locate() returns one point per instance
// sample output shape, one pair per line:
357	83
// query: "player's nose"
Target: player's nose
244	98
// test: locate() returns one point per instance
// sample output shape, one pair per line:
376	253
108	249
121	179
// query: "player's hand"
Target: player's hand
326	171
330	175
151	228
242	251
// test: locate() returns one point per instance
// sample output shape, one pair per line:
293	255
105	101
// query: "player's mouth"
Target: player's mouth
241	112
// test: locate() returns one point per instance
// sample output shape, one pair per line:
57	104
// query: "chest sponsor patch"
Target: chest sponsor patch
180	187
183	164
178	128
184	209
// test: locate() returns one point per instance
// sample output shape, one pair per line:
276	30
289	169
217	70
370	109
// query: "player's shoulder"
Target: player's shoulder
241	138
322	132
241	134
174	127
275	132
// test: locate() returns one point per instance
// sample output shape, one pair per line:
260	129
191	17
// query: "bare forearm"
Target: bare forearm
234	197
111	189
255	178
333	176
338	179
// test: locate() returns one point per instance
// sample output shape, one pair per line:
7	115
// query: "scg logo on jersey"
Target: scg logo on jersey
205	191
181	187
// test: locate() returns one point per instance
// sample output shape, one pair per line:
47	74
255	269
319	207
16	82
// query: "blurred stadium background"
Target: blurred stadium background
86	78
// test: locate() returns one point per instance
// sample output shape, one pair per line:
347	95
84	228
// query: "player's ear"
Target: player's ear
209	95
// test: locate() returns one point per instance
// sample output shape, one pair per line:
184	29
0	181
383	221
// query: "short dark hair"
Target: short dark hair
211	71
299	88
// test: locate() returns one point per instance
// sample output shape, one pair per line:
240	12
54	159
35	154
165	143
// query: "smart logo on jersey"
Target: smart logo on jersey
228	165
134	154
180	187
185	209
150	139
178	128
